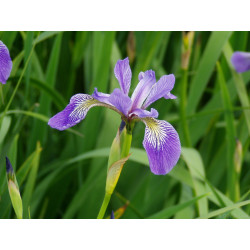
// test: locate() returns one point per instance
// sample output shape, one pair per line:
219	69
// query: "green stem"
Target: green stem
104	206
1	93
125	144
183	102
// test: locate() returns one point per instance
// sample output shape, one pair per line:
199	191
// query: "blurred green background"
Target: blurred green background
63	174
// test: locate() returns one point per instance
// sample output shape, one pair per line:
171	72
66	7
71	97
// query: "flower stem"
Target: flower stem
104	206
183	118
116	160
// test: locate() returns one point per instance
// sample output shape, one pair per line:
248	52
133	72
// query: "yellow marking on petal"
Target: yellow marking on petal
156	132
83	106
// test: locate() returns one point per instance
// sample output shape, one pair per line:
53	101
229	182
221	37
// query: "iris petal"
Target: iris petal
102	97
161	89
169	96
241	61
121	101
162	145
76	111
143	88
123	74
5	63
145	113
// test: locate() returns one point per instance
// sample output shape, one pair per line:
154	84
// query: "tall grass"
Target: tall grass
62	174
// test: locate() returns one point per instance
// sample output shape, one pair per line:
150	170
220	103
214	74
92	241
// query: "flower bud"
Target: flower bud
112	216
15	196
187	43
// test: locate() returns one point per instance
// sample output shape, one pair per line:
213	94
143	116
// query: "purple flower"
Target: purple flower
161	140
5	63
241	61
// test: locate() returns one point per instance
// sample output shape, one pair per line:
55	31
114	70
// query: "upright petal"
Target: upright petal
241	61
161	89
143	88
76	111
141	113
5	63
162	145
121	101
123	74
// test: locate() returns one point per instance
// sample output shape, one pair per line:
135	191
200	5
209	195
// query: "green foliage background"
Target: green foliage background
62	174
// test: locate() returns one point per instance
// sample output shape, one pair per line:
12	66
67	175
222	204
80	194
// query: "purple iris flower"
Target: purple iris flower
161	140
5	63
241	61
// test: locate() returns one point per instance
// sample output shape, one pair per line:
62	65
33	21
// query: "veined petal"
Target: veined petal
145	113
241	61
161	89
101	97
121	101
5	63
143	88
162	145
76	111
123	74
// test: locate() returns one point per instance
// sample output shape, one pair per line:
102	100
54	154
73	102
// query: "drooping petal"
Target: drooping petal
161	89
123	74
121	101
5	63
143	88
162	145
241	61
76	111
145	113
101	97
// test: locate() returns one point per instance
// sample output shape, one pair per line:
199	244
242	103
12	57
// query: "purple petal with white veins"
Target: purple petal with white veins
5	63
123	74
74	112
145	113
102	97
162	145
241	61
143	88
121	101
161	89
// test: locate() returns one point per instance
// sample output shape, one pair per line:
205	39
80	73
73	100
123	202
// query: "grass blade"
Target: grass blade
207	63
170	211
230	135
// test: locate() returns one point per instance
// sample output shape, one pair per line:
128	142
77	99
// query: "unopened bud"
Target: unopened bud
112	216
187	43
15	196
131	46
